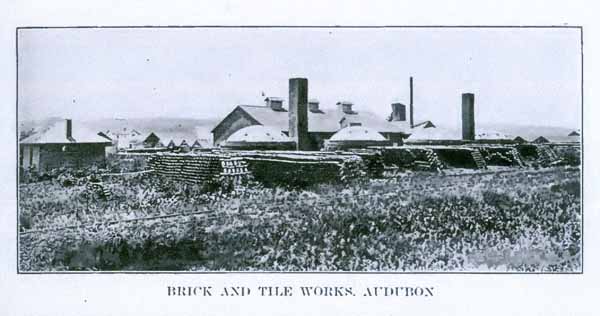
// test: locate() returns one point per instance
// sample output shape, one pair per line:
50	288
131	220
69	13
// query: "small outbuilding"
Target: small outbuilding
520	140
61	145
557	139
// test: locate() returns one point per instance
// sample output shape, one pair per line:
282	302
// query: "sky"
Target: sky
519	76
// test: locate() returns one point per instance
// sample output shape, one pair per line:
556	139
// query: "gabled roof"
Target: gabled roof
151	135
540	139
326	122
56	134
435	133
492	135
557	139
102	134
425	124
443	133
402	125
520	139
128	132
177	137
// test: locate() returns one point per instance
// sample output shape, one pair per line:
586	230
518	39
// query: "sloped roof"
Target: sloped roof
520	139
102	134
493	135
435	133
328	121
558	139
405	126
402	125
444	133
258	134
357	133
177	136
56	134
425	124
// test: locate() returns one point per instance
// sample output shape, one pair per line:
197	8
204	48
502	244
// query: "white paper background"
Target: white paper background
118	294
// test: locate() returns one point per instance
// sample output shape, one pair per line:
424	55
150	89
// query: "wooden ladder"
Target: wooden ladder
479	161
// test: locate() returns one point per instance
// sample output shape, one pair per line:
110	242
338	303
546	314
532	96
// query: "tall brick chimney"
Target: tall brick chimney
468	116
412	122
69	129
298	113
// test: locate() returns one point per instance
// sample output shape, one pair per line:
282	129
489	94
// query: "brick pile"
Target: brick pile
295	169
190	168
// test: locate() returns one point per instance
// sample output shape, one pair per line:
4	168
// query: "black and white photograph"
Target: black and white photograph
299	149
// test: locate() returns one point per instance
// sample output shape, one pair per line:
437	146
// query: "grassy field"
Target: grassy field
521	220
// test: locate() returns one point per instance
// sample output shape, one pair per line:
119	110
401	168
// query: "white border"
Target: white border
94	294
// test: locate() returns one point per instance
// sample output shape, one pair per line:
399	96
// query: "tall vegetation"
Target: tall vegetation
522	220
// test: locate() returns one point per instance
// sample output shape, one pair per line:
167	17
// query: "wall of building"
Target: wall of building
25	152
395	138
231	124
30	156
53	156
317	140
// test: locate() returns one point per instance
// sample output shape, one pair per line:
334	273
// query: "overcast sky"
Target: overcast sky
522	76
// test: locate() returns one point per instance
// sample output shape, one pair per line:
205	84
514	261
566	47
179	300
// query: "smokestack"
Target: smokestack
69	129
412	122
398	112
468	116
298	113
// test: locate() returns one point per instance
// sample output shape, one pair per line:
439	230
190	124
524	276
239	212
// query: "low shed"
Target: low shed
61	145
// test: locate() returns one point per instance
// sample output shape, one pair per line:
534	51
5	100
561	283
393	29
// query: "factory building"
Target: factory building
62	145
569	139
467	134
405	122
304	121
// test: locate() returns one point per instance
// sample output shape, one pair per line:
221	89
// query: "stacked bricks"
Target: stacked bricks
501	155
98	188
546	155
479	160
187	167
268	167
235	169
569	154
418	158
297	169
